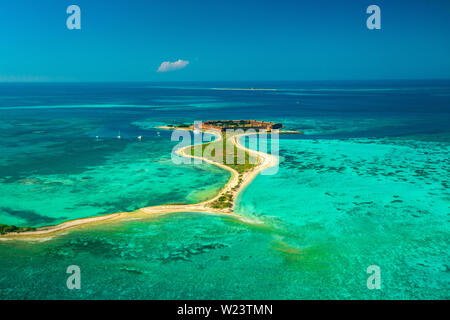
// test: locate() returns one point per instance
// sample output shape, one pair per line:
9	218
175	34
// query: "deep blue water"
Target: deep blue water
414	107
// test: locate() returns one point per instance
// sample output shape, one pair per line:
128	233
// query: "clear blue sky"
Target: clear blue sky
127	40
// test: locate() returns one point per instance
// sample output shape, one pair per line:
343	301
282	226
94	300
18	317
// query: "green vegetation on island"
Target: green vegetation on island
223	202
7	229
182	125
224	154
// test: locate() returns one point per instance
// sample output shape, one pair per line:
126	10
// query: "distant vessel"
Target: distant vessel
140	137
119	136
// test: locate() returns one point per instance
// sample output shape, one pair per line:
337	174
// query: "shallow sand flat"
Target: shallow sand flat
72	178
361	202
265	161
319	230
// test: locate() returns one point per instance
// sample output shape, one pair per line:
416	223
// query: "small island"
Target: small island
242	173
224	125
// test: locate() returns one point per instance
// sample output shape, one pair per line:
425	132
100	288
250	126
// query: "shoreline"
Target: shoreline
233	187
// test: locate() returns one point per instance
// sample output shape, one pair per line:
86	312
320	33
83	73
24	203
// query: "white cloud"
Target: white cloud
171	66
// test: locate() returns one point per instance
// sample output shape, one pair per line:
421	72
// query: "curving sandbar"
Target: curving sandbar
237	182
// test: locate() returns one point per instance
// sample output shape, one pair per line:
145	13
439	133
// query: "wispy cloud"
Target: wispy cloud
172	66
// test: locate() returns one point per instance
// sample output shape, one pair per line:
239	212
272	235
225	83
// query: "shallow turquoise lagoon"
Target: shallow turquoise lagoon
48	177
368	184
333	209
349	204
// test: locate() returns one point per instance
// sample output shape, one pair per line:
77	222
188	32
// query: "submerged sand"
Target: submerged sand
232	187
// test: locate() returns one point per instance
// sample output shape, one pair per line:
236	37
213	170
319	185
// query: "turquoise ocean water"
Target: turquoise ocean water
367	184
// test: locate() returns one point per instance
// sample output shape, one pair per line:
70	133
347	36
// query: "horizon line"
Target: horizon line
212	81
